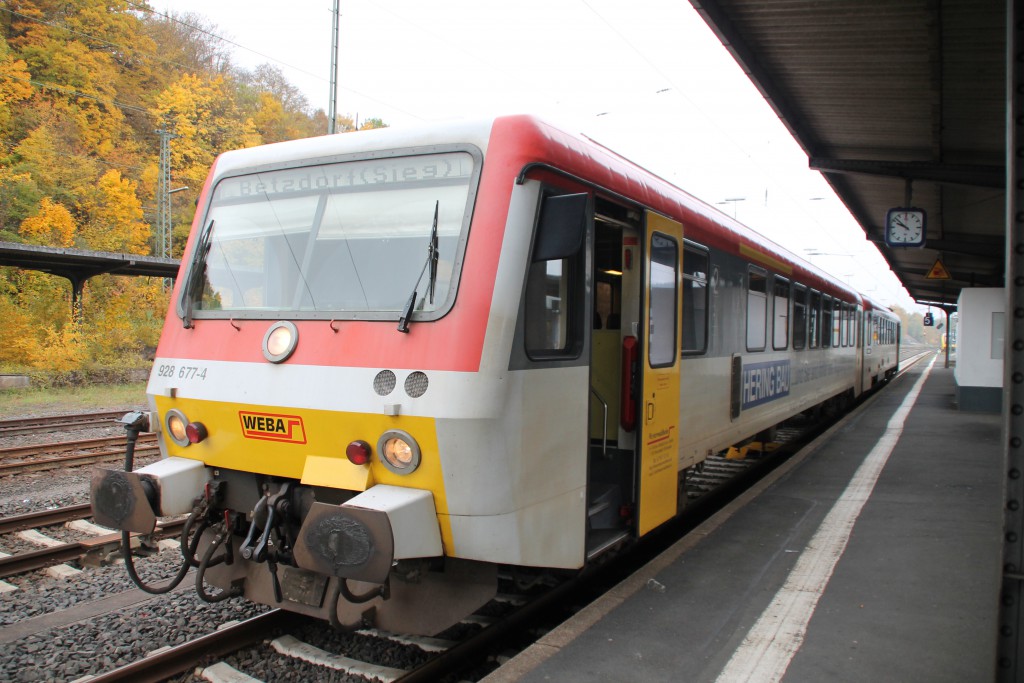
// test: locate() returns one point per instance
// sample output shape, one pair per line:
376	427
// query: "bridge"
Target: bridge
78	265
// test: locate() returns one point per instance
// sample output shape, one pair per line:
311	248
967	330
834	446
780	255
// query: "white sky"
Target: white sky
647	78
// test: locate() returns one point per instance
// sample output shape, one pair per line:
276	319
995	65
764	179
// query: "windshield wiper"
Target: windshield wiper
196	273
432	255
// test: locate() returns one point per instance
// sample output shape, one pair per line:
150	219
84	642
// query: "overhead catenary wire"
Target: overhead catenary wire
170	17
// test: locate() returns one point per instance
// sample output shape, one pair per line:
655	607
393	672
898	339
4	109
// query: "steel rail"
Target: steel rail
63	446
28	425
77	459
31	520
45	557
160	665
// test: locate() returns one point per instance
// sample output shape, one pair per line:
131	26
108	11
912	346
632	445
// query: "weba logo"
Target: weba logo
272	427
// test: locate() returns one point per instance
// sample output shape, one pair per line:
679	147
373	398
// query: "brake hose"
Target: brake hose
222	535
341	589
126	537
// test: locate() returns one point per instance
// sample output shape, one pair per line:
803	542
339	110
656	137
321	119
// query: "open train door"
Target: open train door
659	429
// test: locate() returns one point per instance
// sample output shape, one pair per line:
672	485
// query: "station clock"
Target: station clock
905	227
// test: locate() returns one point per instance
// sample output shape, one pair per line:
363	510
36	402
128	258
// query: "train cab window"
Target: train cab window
813	331
695	299
757	307
335	241
826	321
780	313
837	323
662	278
799	316
554	283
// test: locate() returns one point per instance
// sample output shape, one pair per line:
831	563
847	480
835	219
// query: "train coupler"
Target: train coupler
131	501
362	538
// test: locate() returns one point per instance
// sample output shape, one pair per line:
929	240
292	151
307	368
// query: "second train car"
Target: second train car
397	360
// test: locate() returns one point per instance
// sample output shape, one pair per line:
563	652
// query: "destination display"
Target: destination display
374	173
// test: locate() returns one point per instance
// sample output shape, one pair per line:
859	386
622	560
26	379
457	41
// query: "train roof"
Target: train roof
702	222
571	152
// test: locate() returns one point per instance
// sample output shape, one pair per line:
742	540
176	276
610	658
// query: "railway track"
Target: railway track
441	657
276	638
292	641
90	550
17	459
29	425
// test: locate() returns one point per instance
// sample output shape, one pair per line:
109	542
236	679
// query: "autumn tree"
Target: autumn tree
372	123
15	86
51	226
84	86
113	217
204	117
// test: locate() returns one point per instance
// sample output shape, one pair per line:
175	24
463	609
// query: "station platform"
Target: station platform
872	555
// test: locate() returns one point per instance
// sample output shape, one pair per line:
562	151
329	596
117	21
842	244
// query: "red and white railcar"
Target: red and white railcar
398	359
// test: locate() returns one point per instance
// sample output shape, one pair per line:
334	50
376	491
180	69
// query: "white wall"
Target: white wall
979	344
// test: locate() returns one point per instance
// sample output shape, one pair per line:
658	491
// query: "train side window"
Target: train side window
837	322
662	307
851	325
847	325
826	321
695	299
554	283
844	324
799	316
780	313
815	320
757	307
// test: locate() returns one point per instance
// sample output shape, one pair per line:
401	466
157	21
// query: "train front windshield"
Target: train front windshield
345	240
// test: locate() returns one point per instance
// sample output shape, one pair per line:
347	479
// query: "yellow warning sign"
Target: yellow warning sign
938	272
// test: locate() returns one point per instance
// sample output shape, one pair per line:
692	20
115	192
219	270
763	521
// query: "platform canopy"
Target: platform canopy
78	265
898	103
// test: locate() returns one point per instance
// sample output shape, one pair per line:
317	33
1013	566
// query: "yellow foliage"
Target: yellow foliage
48	155
17	334
61	350
52	225
14	83
77	79
114	220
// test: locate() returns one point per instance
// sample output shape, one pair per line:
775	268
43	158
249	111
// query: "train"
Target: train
398	362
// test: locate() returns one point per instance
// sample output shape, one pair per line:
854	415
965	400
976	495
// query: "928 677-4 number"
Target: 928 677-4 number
191	372
181	372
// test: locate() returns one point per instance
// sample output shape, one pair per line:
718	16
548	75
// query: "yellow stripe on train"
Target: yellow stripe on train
308	445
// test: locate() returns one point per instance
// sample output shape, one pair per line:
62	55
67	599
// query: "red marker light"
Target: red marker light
195	431
358	452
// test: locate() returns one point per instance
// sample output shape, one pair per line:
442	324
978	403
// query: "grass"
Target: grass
90	398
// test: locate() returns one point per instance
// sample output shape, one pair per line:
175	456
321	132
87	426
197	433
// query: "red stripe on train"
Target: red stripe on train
454	342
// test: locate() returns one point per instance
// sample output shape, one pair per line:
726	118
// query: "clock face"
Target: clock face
904	227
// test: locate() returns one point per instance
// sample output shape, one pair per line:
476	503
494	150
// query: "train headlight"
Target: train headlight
280	340
177	427
398	451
